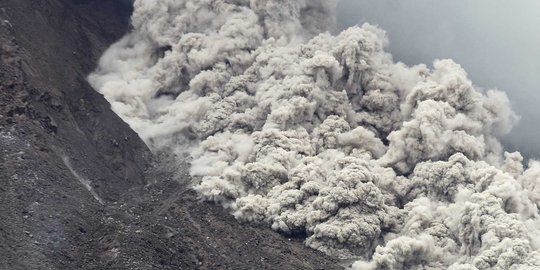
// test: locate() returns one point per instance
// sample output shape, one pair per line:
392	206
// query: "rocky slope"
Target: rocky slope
78	188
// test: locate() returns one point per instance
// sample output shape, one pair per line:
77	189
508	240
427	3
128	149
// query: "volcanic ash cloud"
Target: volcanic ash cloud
325	136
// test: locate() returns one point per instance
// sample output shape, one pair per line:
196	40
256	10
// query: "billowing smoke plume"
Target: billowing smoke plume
325	136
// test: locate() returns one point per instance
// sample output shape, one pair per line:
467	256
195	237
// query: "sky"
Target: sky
496	41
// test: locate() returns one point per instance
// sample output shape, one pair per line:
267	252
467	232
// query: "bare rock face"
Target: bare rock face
78	188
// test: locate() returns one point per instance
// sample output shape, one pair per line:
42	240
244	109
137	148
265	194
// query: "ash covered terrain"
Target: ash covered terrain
78	188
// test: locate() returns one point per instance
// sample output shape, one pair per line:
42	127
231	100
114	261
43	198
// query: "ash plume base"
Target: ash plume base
322	135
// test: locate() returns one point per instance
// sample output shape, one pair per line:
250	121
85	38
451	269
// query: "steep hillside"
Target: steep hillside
78	188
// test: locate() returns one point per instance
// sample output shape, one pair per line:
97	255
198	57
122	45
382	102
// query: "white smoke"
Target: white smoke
325	136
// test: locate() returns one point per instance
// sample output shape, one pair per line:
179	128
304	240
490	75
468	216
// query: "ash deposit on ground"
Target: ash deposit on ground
322	135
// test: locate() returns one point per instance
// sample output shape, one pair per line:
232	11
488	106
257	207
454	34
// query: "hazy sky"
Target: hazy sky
496	41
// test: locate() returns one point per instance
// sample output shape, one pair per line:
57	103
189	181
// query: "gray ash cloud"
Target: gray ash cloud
325	136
